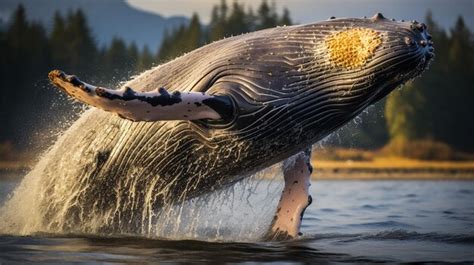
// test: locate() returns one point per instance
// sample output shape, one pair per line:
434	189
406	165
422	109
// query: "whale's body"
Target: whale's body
290	87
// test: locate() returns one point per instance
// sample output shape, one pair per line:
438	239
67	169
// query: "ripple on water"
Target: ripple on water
466	191
394	216
375	206
328	210
384	224
396	234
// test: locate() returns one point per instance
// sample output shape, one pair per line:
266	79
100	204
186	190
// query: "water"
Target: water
349	221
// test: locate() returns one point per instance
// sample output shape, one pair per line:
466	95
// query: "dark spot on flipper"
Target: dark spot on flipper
164	99
310	200
123	117
100	92
74	80
295	182
84	88
310	168
129	93
162	91
185	116
307	153
197	104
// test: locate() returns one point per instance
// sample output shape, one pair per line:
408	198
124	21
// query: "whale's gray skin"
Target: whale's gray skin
289	88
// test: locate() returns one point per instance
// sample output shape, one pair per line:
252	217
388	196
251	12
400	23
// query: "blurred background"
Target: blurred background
107	42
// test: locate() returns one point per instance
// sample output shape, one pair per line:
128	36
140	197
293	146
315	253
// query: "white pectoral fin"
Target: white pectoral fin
146	106
294	200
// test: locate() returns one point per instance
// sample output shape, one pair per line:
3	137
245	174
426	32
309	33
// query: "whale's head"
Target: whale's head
365	59
330	71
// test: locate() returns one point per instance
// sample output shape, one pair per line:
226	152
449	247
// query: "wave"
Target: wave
393	224
398	234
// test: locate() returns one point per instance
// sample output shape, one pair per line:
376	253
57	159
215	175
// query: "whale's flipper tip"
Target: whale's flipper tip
55	76
52	75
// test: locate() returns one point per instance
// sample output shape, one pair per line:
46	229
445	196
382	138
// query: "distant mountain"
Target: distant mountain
106	18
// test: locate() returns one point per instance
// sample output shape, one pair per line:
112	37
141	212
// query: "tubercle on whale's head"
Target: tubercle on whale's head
378	54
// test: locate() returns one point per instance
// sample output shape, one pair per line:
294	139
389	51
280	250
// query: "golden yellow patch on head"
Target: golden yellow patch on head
352	48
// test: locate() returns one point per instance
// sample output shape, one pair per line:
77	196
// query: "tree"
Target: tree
82	51
132	60
193	36
116	60
285	20
25	60
267	15
58	41
237	22
434	107
145	60
401	112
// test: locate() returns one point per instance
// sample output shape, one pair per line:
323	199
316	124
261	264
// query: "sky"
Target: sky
305	11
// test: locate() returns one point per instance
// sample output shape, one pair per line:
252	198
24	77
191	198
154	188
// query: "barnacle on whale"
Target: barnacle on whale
352	48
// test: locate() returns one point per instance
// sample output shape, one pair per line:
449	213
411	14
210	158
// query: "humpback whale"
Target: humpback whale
209	118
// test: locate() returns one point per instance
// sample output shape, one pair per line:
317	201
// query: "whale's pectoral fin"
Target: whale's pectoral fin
146	106
294	199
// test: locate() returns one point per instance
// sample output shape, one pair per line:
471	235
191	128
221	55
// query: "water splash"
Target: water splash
43	201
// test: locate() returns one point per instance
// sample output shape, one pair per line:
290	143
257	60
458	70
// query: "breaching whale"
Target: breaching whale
209	118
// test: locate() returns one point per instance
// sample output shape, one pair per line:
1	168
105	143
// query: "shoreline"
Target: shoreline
365	176
393	169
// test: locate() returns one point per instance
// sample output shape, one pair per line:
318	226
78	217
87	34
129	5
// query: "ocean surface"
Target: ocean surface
348	222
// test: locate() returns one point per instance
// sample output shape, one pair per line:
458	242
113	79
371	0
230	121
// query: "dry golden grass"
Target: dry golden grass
395	163
339	163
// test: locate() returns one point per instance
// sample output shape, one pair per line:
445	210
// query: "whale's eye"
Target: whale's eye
352	48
